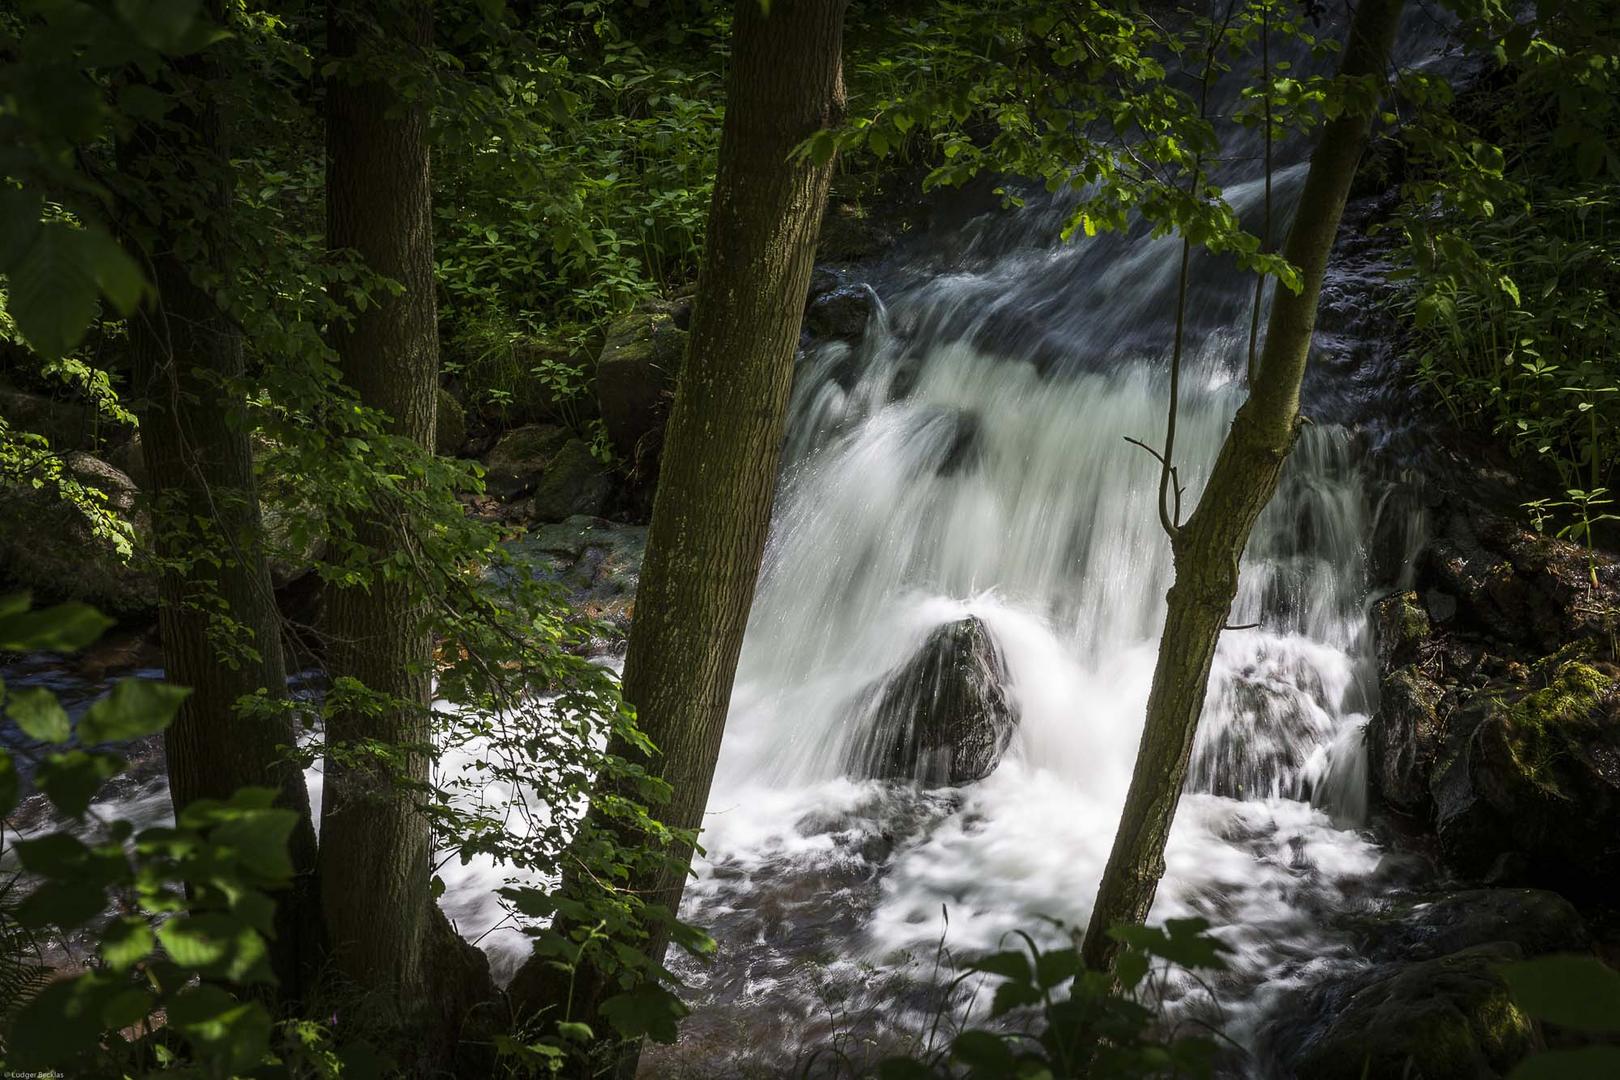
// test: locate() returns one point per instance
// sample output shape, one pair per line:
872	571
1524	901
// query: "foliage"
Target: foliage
1575	993
1513	255
577	165
1077	1022
191	903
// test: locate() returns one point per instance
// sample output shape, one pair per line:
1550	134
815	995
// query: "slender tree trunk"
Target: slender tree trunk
388	936
216	612
721	450
1210	544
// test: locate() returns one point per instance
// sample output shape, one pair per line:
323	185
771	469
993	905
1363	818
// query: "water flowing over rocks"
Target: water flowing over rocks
942	718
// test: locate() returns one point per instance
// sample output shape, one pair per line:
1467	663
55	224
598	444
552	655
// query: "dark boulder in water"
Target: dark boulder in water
944	717
842	313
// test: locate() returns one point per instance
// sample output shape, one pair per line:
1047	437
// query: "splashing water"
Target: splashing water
969	457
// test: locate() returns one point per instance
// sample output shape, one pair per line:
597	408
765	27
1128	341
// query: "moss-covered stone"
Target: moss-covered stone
635	379
1524	766
1449	1018
1402	627
1405	738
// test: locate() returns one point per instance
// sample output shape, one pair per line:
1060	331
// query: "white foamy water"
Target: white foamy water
946	467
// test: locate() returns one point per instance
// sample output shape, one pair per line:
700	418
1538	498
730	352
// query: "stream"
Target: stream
966	456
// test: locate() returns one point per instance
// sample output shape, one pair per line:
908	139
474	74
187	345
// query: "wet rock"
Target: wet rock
55	551
635	380
842	313
597	562
450	425
1444	1019
67	424
822	282
549	464
1531	780
1402	626
1534	920
944	717
1405	738
573	482
1518	586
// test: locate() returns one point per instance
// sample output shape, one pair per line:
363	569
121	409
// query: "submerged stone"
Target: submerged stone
944	717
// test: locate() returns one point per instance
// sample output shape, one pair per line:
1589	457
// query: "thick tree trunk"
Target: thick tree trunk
388	936
723	443
1210	544
216	614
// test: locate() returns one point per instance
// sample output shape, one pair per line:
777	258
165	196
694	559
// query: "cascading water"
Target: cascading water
969	457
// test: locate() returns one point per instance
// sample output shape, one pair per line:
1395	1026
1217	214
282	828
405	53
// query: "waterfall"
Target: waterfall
968	457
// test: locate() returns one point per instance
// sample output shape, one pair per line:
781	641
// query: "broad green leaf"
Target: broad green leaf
64	904
10	783
233	1034
126	942
19	225
1585	1063
54	290
60	1023
71	780
1571	991
63	628
649	1010
217	946
984	1051
135	707
39	715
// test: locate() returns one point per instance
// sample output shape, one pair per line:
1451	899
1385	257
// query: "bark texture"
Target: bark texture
1209	545
217	615
718	475
388	936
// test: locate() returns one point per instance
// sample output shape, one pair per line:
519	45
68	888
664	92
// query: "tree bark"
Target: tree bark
718	475
1208	547
389	939
217	615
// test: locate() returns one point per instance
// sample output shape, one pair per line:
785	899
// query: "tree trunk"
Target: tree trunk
718	475
216	611
389	939
1209	545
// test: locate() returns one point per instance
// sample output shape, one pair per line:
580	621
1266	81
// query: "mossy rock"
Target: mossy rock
1450	1018
1524	765
635	380
1402	628
572	482
49	548
1405	738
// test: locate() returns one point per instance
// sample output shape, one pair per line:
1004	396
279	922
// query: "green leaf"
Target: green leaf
1586	1063
984	1051
53	290
905	1069
71	780
19	224
1578	992
648	1010
257	840
39	715
135	707
231	1033
60	1023
126	942
63	628
1009	965
62	904
576	1031
10	783
217	946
